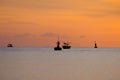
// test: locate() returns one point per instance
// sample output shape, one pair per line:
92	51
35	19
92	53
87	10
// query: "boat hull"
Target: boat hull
57	48
66	47
95	47
9	45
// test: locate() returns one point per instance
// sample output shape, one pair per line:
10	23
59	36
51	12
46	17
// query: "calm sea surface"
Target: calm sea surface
37	63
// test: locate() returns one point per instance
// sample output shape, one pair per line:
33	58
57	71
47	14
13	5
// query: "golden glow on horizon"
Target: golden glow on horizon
81	22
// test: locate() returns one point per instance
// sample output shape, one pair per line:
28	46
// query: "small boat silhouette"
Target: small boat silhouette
9	45
66	45
95	45
58	46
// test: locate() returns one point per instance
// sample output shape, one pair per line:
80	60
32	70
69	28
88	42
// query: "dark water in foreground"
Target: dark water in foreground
27	63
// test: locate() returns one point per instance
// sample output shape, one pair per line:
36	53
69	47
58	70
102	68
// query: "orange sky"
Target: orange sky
39	22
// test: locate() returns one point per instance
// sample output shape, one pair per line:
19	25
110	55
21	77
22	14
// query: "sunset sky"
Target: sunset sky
40	22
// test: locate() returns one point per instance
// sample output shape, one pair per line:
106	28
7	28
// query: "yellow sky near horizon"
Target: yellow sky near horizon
39	22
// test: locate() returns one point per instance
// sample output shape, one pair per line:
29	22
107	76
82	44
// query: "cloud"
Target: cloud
54	35
93	8
83	36
15	38
50	35
32	4
12	35
25	35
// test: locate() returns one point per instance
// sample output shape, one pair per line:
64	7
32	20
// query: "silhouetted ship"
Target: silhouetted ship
9	45
58	46
95	45
66	45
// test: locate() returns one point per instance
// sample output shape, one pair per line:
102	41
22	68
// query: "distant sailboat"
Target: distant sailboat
9	45
58	48
95	45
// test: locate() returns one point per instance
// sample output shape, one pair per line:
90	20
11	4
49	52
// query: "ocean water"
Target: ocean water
38	63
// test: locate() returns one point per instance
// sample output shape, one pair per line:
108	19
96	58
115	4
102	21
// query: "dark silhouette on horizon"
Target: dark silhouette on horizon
66	45
95	45
9	45
58	46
